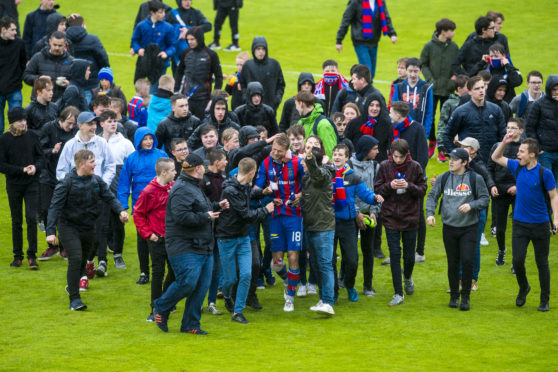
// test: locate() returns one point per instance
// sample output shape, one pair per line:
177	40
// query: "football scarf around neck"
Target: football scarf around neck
339	195
369	9
368	127
399	128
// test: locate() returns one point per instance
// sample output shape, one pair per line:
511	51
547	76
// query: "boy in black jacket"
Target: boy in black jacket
74	209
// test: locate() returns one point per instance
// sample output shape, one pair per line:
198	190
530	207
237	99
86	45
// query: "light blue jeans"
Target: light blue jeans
320	245
235	252
367	56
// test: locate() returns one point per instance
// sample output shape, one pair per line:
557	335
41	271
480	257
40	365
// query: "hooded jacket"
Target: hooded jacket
354	186
437	57
35	27
150	209
325	130
469	58
138	169
173	127
383	130
491	91
74	95
353	17
197	68
44	63
51	134
290	115
367	171
159	108
52	22
13	60
267	71
262	114
542	122
510	74
160	33
194	141
317	193
89	47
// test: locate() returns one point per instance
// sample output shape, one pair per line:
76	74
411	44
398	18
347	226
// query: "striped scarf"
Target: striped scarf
401	127
368	127
369	8
329	80
339	195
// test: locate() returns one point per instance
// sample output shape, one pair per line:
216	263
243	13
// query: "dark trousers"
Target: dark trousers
460	243
45	192
346	235
305	264
116	233
266	254
421	233
441	99
500	208
220	17
143	254
17	194
378	234
197	106
539	235
367	240
394	238
78	244
101	228
159	260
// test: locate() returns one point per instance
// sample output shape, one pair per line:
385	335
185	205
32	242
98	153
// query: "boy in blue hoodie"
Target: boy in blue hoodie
160	104
138	170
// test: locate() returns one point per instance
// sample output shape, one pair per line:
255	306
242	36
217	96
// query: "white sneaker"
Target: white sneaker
483	240
397	300
387	261
285	291
325	309
419	258
302	291
311	289
315	307
289	306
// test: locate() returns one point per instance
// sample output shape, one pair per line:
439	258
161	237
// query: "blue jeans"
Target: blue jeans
320	245
477	252
367	56
233	252
550	160
409	239
192	277
14	100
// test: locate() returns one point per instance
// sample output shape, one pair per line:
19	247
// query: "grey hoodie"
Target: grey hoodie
367	170
457	191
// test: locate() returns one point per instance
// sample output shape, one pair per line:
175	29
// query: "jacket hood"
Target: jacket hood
212	108
375	96
140	134
245	134
493	86
156	184
197	32
76	33
253	88
551	82
52	22
257	42
304	77
77	71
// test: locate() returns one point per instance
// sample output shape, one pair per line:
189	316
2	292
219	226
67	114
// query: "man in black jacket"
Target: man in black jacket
189	244
54	22
359	90
195	72
21	161
180	123
13	60
40	110
233	236
265	70
255	112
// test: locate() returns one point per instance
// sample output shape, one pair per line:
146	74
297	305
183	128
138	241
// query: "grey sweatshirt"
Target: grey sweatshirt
367	170
458	191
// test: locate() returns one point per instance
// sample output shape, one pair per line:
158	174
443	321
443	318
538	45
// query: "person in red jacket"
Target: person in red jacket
149	217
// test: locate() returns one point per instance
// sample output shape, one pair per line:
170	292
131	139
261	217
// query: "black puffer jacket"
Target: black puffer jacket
258	150
38	115
262	114
44	63
485	123
173	127
383	130
469	58
353	17
542	122
235	221
76	202
188	226
502	177
51	134
197	68
89	47
266	71
194	142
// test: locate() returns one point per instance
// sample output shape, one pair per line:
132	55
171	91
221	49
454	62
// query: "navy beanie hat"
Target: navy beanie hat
364	145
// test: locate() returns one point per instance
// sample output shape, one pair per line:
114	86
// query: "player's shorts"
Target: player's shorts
286	233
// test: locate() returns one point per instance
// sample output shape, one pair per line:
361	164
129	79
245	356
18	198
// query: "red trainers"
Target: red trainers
49	253
90	269
83	284
431	148
442	157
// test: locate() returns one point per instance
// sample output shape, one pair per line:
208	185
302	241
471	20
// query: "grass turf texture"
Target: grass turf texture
422	334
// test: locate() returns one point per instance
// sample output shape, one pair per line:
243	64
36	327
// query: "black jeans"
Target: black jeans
539	235
220	17
116	233
346	235
159	260
432	135
78	244
17	194
101	227
500	209
367	240
143	254
421	235
394	238
197	106
460	244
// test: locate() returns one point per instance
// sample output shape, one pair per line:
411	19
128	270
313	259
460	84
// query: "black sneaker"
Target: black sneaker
150	318
454	302
161	320
464	306
229	304
239	318
542	307
77	305
232	48
522	296
33	265
253	302
501	260
379	254
143	279
16	263
197	331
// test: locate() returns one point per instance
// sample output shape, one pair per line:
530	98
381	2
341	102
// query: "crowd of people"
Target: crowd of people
209	170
